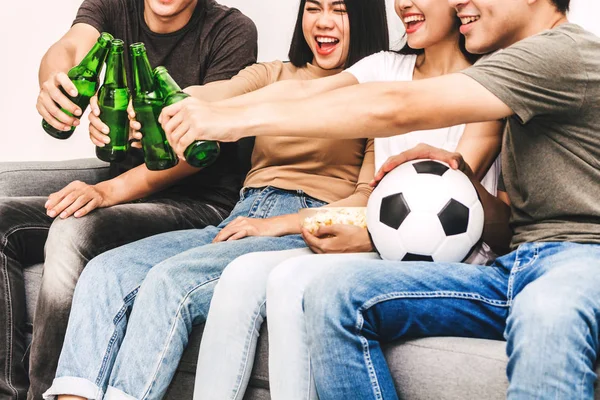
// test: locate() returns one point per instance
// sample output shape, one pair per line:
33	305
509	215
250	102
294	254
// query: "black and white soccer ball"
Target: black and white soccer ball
425	211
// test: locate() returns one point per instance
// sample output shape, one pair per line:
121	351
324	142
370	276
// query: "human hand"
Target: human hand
424	151
77	198
242	227
135	128
191	119
98	129
51	98
338	239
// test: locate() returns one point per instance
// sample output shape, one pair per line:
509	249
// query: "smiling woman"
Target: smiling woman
323	24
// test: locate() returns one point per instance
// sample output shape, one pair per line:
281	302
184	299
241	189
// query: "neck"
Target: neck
172	23
546	17
442	58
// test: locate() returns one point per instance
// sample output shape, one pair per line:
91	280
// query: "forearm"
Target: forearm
289	224
59	58
496	231
339	115
379	109
140	182
358	199
278	91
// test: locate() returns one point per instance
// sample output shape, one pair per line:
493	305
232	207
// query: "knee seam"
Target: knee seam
9	338
172	332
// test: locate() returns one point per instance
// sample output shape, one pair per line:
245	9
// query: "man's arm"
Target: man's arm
55	64
79	199
378	110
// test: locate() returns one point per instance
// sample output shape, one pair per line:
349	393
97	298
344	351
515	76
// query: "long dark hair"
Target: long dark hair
472	58
368	32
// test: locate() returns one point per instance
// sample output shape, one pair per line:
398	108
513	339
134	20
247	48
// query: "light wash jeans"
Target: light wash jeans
252	287
544	298
134	306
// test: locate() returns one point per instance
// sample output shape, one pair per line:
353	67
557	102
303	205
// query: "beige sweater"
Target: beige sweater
335	171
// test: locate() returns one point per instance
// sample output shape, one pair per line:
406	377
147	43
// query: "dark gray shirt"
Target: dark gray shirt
214	45
551	147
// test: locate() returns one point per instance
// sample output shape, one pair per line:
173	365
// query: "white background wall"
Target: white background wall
28	28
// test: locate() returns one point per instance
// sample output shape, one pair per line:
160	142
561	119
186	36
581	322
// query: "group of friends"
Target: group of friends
507	91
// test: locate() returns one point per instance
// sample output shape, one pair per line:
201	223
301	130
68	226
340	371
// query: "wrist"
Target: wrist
107	191
287	225
256	120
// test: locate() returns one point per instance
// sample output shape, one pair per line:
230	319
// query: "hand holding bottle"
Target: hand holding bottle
99	130
51	97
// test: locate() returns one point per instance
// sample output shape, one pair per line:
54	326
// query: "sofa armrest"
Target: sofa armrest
43	178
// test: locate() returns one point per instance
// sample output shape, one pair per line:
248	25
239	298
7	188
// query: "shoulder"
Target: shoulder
220	16
558	44
264	72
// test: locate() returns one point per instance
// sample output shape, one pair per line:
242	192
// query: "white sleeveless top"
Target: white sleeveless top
388	66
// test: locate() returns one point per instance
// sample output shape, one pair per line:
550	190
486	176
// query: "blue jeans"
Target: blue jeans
135	306
544	298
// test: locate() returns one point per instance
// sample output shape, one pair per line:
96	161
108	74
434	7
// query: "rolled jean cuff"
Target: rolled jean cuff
116	394
73	386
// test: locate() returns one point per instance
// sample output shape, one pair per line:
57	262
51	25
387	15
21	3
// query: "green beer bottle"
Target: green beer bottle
113	100
201	153
85	77
148	103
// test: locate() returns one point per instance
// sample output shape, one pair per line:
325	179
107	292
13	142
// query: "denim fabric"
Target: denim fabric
145	297
544	298
34	178
24	231
253	287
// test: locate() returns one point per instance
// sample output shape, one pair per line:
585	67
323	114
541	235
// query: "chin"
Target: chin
476	46
331	62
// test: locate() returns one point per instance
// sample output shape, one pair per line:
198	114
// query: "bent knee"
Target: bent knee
70	233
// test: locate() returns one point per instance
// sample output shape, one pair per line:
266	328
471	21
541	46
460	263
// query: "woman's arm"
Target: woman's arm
291	90
291	224
480	145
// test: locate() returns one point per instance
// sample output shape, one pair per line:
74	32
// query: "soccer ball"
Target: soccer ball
425	211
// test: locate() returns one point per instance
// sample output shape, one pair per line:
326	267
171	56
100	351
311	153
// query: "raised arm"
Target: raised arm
291	90
55	64
380	109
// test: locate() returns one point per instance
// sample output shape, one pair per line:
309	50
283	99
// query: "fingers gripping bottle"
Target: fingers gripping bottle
148	103
85	77
201	153
113	100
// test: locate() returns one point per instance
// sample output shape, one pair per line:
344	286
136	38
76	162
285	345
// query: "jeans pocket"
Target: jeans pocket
311	202
527	254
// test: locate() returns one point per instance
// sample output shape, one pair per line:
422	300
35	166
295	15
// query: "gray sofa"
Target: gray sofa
432	368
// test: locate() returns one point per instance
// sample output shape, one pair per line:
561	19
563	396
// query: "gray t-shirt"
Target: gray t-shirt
551	147
215	44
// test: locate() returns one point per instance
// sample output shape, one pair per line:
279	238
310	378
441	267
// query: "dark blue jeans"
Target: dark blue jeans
543	298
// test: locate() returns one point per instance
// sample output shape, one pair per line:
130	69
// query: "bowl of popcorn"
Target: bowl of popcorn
313	218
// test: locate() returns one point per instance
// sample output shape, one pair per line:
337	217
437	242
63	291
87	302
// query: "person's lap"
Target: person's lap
165	271
383	301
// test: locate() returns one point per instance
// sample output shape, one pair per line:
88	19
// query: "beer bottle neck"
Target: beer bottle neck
115	69
96	56
142	73
165	83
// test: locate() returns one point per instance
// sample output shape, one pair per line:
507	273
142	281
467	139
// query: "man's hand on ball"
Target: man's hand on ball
338	239
424	152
